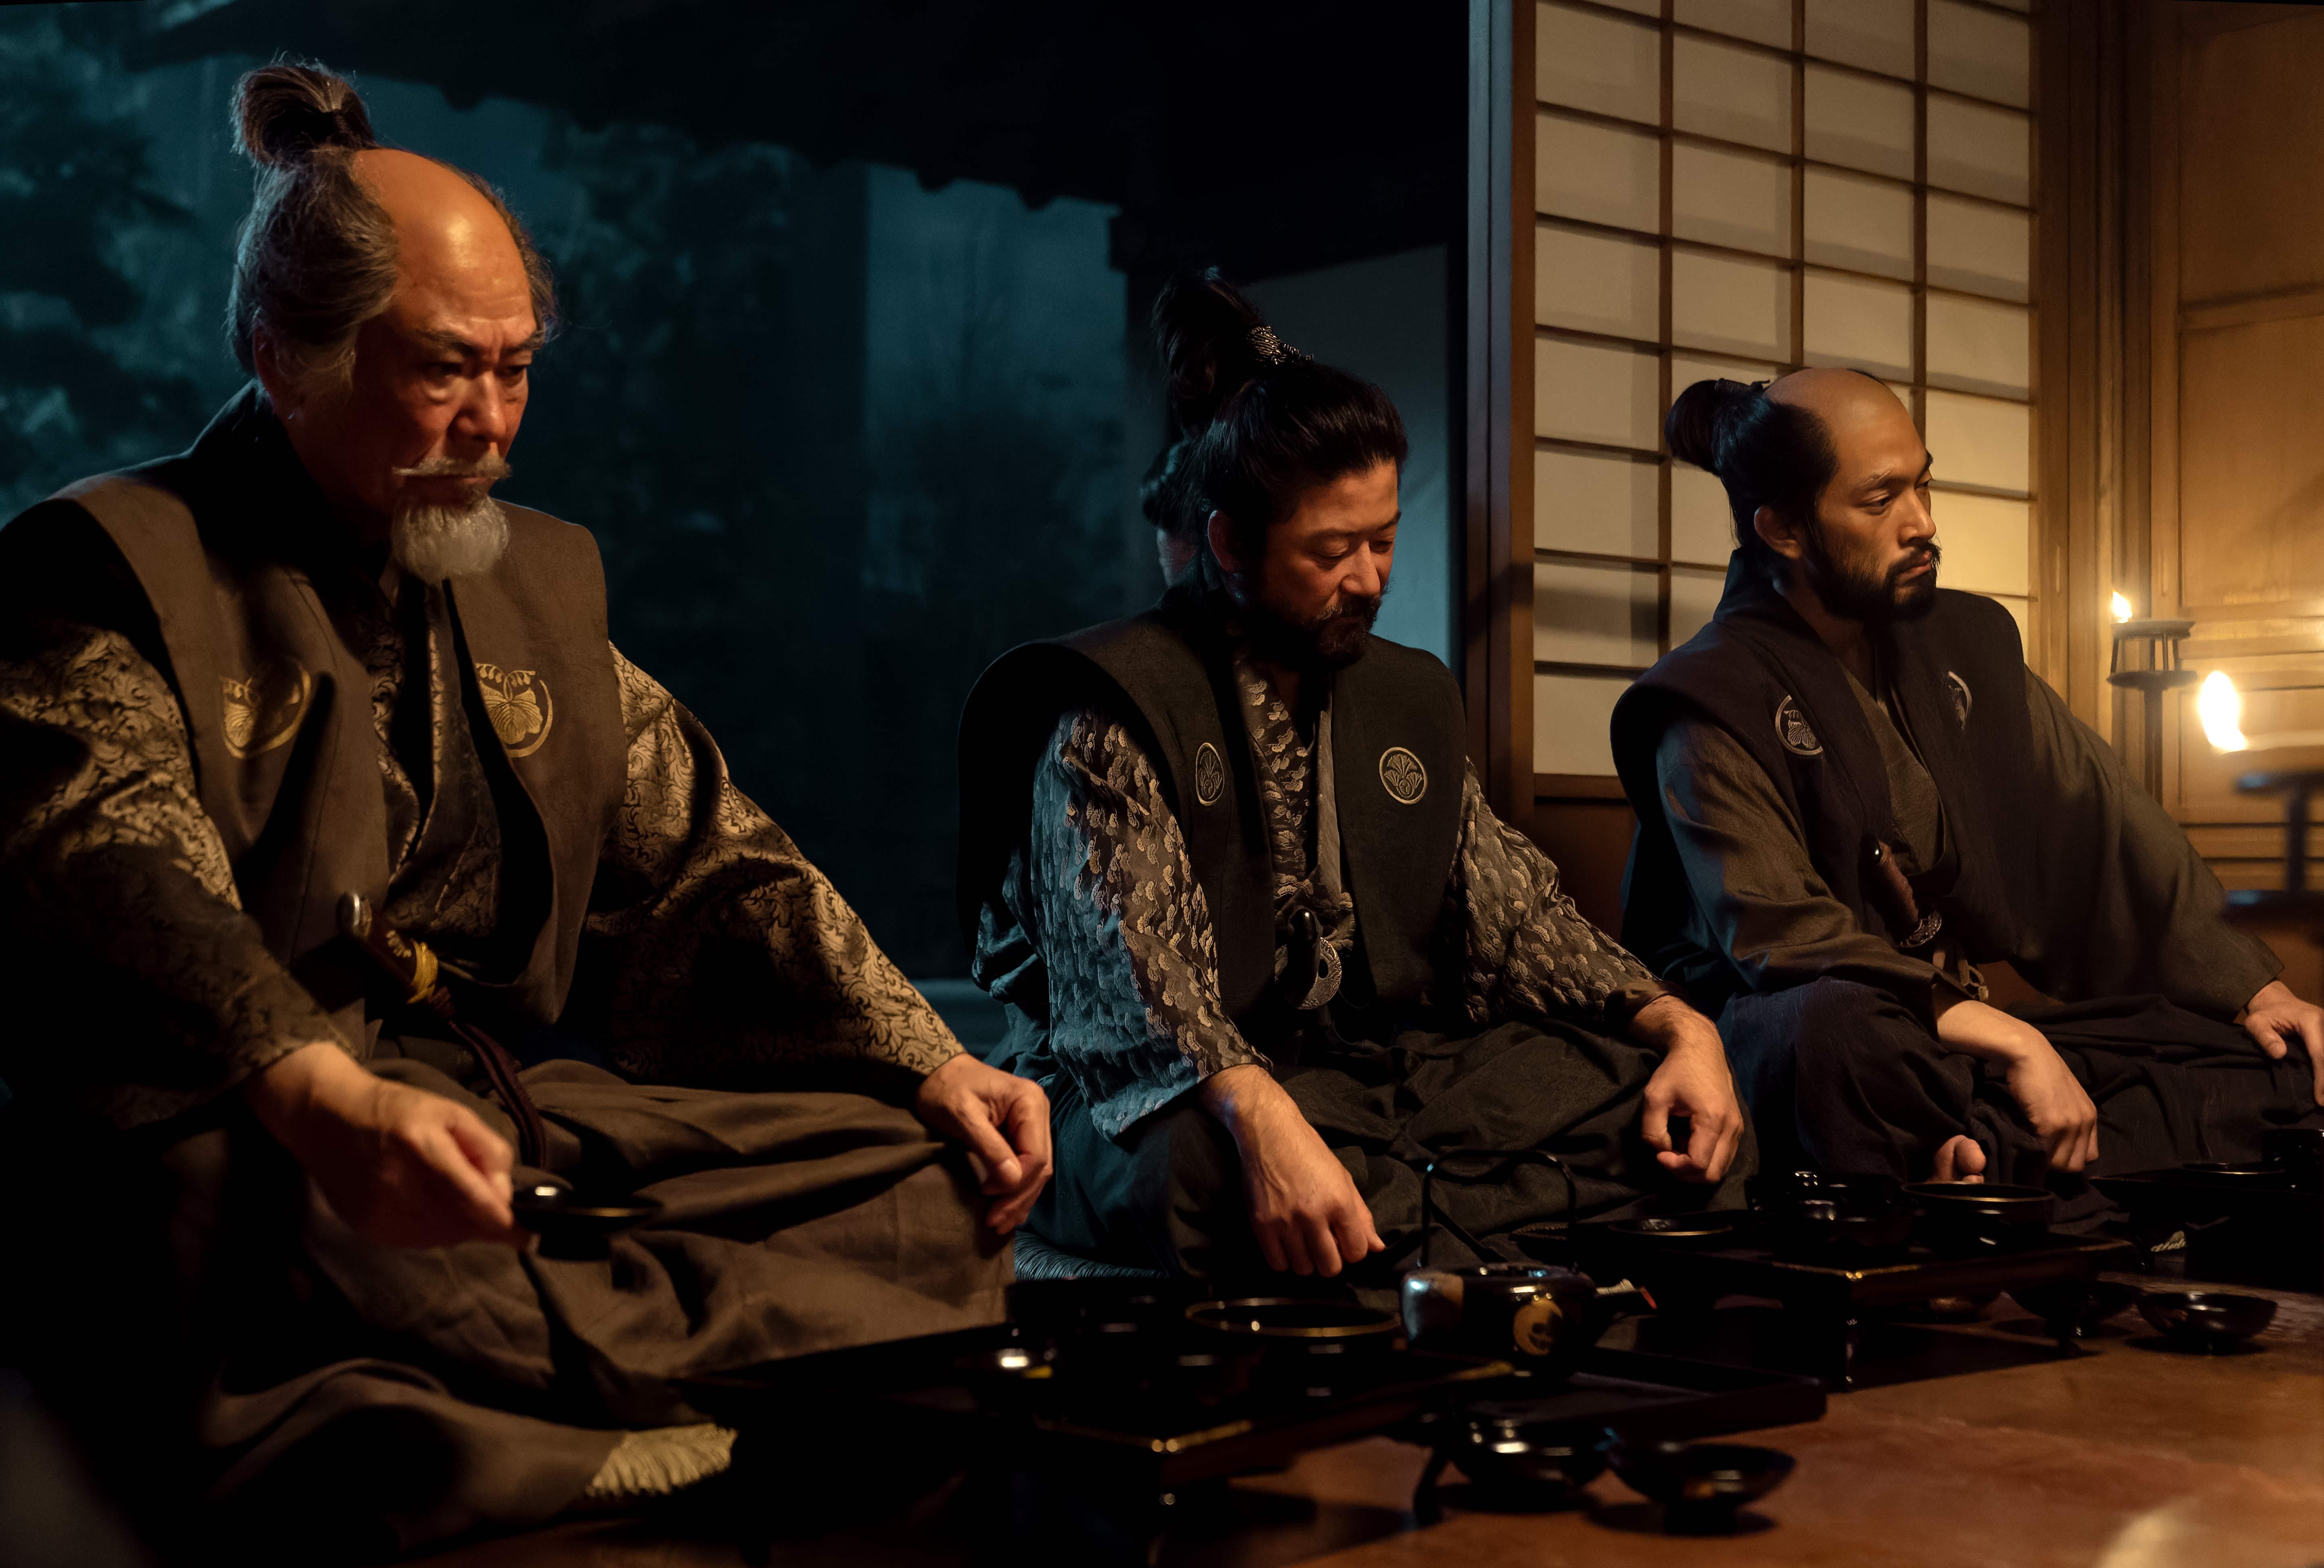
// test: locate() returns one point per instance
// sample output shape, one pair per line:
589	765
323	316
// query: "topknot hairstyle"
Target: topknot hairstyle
315	257
1258	423
1765	452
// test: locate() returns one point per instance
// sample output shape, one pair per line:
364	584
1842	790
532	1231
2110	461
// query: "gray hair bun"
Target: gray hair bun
284	114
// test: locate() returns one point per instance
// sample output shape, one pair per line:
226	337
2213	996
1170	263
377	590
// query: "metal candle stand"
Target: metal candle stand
2160	673
2294	900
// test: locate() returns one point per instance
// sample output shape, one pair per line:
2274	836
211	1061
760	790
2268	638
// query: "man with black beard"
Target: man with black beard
1851	790
1258	932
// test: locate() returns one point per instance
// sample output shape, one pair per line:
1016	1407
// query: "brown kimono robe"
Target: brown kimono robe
736	1046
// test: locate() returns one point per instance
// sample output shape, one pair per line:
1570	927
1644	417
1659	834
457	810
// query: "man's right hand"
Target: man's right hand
2052	1097
401	1165
1305	1208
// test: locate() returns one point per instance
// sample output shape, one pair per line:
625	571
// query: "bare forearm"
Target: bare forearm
1669	1025
1973	1029
287	1095
1245	1099
1305	1213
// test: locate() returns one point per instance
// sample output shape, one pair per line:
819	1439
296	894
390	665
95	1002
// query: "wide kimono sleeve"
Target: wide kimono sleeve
715	953
1124	930
141	988
1524	950
2123	904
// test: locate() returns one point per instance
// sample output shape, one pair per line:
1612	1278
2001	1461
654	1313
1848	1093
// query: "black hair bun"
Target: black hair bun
1705	419
284	114
1204	330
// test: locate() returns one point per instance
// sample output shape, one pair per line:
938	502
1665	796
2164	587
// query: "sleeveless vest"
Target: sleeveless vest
1760	674
1399	746
278	709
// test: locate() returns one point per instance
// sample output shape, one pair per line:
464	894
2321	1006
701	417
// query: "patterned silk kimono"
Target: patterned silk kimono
735	1045
1528	1048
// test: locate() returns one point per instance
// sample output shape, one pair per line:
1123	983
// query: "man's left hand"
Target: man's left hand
2275	1018
1004	1120
1692	1081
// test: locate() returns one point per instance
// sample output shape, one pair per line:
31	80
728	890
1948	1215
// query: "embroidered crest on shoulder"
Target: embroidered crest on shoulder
1402	775
517	702
1963	698
263	709
1210	774
1792	728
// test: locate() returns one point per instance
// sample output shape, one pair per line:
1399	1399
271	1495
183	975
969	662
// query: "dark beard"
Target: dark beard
1331	640
1859	595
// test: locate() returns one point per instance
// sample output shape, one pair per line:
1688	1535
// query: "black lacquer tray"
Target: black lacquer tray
1652	1396
1636	1394
1830	1299
924	1400
2242	1230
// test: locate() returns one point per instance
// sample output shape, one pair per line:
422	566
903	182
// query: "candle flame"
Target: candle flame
2221	708
2121	608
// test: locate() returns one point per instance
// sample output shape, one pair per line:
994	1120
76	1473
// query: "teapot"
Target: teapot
1538	1315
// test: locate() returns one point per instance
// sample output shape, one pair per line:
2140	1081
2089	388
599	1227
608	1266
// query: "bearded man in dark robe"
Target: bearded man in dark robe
1256	928
1851	791
307	695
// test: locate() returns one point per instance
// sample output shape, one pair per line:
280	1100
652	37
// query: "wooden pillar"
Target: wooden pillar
2093	277
1497	598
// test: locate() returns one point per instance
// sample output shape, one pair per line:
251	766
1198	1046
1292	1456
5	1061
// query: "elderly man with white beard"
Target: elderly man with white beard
363	881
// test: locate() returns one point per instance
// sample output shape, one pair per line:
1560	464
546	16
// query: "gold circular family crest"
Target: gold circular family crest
1210	774
1533	1327
1793	729
1402	776
517	702
263	709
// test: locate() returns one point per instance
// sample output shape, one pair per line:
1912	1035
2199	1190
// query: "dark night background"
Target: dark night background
852	390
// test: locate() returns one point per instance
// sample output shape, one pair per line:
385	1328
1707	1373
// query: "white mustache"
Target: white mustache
491	466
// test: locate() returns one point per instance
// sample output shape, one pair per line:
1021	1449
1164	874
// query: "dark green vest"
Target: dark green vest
278	709
1398	754
1760	674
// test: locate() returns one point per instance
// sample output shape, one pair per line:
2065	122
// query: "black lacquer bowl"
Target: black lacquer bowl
1963	1218
1700	1485
2228	1170
1282	1320
2077	1306
1710	1229
1505	1454
1819	1229
1855	1190
2206	1320
573	1227
1289	1342
1812	1216
1053	1310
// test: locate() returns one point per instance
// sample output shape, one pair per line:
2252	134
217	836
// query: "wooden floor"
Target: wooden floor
2129	1456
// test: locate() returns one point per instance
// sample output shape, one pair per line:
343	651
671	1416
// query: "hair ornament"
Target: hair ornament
1271	349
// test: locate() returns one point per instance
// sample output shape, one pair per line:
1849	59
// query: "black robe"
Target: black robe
1771	786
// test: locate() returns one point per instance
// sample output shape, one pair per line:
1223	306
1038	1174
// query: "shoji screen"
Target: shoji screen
1738	188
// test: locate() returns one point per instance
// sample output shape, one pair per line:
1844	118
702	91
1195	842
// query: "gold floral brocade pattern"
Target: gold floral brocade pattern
725	955
120	891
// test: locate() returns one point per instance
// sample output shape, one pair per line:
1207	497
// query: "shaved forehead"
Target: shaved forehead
444	226
1844	400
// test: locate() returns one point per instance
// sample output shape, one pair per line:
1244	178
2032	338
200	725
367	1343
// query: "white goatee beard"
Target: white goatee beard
435	543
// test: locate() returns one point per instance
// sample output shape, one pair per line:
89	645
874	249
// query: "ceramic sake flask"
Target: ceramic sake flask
1539	1317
